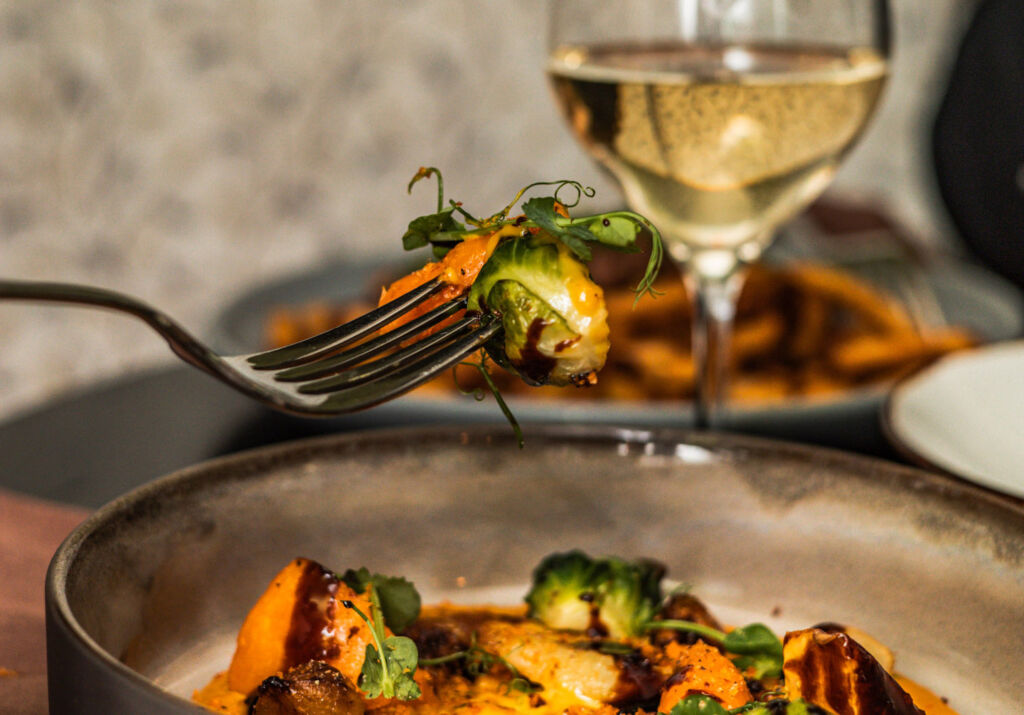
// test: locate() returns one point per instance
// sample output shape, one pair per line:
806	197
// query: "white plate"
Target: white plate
965	415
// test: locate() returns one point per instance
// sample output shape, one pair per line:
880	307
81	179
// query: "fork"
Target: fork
341	370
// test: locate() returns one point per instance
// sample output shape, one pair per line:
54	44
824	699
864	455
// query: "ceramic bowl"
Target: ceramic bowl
144	600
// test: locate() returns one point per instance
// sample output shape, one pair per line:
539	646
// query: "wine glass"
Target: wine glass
720	119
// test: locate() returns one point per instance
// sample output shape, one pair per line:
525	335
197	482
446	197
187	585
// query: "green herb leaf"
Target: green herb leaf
425	172
614	231
390	663
373	675
698	705
399	600
615	648
541	211
430	228
756	645
505	410
759	647
392	678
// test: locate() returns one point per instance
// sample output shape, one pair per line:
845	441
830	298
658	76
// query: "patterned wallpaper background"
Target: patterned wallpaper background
184	152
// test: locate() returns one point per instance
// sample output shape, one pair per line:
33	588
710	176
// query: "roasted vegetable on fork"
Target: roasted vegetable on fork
530	271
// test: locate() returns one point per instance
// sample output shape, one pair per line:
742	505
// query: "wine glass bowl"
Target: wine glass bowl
720	120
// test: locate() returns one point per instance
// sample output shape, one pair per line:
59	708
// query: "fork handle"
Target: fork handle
180	340
73	293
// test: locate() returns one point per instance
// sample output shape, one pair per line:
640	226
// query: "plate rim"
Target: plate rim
888	419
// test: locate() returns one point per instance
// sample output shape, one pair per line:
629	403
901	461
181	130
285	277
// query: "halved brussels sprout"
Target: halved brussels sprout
554	316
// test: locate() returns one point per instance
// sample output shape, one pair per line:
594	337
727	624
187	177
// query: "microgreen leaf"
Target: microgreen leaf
399	599
618	235
614	231
390	662
541	211
425	172
615	648
505	410
758	647
431	228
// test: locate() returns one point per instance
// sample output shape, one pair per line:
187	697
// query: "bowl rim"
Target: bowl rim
226	468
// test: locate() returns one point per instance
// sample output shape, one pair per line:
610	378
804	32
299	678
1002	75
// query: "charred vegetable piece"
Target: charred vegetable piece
555	661
442	631
872	645
313	688
703	670
832	670
554	316
607	597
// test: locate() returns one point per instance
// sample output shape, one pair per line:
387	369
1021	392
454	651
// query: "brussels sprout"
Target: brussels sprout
604	597
562	594
629	594
554	316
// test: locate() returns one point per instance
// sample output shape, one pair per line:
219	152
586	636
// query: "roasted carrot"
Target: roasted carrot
300	617
458	269
703	670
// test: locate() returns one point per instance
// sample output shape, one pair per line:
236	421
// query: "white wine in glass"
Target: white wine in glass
720	133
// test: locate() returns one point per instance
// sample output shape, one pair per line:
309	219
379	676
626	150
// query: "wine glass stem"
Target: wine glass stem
714	298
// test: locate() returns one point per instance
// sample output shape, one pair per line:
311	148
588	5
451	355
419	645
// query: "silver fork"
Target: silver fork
344	369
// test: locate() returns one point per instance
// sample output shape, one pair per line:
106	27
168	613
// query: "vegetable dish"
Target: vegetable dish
597	636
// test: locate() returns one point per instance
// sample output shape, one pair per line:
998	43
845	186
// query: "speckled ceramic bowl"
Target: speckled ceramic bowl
145	598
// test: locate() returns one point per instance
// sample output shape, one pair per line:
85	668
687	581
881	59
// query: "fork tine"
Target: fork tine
372	348
415	352
318	345
368	394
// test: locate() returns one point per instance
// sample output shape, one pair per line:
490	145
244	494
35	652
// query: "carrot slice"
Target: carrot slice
458	269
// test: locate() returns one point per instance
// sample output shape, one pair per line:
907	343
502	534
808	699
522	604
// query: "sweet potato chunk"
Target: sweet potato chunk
703	670
458	269
300	618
